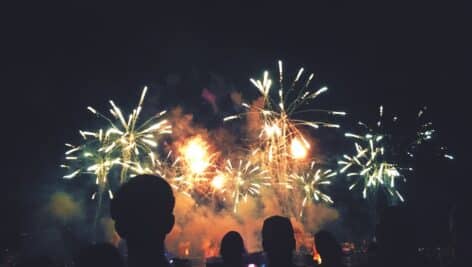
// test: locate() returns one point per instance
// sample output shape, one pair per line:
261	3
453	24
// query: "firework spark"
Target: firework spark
281	141
370	165
89	158
309	183
373	162
197	162
243	179
426	133
130	140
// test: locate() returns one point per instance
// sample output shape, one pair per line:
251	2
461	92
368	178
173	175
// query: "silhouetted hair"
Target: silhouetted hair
396	237
278	236
143	206
232	247
394	228
43	261
328	247
460	232
100	255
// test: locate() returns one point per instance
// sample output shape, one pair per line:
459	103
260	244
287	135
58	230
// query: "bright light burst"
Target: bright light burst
309	183
278	166
195	155
426	133
373	162
371	167
168	168
91	159
218	182
299	148
242	179
128	138
197	162
281	141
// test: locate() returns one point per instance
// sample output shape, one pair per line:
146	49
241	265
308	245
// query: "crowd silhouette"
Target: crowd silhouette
329	249
232	249
143	213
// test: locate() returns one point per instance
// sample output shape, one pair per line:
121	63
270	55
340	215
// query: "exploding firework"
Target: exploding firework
309	183
281	141
130	139
374	162
196	162
276	172
168	168
425	133
371	167
92	159
241	180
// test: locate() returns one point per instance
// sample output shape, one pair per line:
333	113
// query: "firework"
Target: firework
130	139
197	163
168	168
371	167
425	133
90	158
309	184
196	156
281	141
373	162
242	179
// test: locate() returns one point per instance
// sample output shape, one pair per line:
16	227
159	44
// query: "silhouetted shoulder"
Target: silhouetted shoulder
100	255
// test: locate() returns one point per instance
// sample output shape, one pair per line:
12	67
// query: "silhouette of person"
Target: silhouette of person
396	238
232	249
329	249
460	232
100	255
43	261
278	241
143	214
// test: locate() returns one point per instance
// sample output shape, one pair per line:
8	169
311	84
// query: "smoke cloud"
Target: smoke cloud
63	207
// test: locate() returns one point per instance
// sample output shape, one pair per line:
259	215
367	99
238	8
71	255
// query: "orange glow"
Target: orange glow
210	249
272	130
316	255
195	153
218	182
299	148
184	249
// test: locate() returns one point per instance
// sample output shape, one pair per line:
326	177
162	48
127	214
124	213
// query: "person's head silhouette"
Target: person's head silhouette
278	240
459	227
143	214
396	237
100	255
232	249
329	249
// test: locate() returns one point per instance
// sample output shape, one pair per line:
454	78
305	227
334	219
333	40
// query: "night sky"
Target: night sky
60	59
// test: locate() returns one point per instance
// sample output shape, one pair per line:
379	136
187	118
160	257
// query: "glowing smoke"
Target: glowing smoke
63	207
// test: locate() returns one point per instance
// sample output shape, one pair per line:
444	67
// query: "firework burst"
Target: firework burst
168	168
242	179
373	162
371	166
197	163
309	183
91	158
130	139
281	141
426	133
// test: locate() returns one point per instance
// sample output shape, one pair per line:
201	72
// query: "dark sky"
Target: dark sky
59	59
